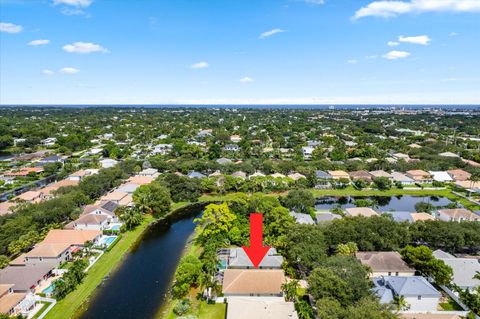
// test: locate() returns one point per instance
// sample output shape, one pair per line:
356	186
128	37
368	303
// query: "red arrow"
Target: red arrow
256	252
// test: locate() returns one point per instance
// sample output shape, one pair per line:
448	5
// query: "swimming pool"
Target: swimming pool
49	290
115	227
107	240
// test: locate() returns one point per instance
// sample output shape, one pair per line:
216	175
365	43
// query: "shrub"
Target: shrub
182	307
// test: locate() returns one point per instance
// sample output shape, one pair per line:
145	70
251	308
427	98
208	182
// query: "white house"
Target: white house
307	151
441	176
457	215
108	162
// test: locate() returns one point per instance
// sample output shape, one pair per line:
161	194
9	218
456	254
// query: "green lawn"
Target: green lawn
216	311
67	307
44	307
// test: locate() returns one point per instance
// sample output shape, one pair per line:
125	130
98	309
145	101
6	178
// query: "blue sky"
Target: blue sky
239	51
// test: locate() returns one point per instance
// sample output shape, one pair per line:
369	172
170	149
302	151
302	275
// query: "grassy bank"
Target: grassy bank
73	302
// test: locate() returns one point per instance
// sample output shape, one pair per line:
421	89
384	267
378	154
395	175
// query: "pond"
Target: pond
384	203
137	288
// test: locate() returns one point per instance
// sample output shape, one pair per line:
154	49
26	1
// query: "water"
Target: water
137	289
384	203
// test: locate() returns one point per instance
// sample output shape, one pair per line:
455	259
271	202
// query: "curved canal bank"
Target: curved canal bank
138	287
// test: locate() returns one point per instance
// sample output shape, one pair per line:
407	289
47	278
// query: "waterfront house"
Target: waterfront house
253	282
421	217
381	173
363	175
302	218
339	174
75	238
385	263
402	178
417	292
441	176
326	217
400	216
25	278
260	308
90	222
459	175
457	215
48	253
296	176
360	211
419	176
15	303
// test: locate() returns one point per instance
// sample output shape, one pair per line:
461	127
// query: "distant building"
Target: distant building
419	176
231	148
459	174
385	263
464	269
108	162
441	176
457	215
302	218
360	211
402	178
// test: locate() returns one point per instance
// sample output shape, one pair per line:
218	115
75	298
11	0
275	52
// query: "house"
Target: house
253	282
257	174
464	269
205	133
115	197
307	151
50	189
23	172
149	172
48	253
448	154
91	222
457	215
419	176
51	159
15	303
385	263
223	160
400	156
235	138
323	179
326	217
363	175
410	315
50	141
141	180
402	178
260	308
79	175
459	175
441	176
421	217
381	173
108	162
238	259
239	174
30	197
25	278
231	148
75	238
296	176
128	188
277	175
417	292
360	211
339	175
194	174
162	149
6	208
302	218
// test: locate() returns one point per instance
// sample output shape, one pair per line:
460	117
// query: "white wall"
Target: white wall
425	304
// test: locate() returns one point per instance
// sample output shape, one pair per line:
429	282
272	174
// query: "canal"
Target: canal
137	288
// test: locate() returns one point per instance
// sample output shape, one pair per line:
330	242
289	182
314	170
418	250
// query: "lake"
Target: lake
384	203
137	288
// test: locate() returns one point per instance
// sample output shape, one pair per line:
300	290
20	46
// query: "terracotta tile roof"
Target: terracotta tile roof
114	196
459	174
338	174
71	237
53	187
140	180
421	217
10	301
4	288
429	316
459	213
91	219
5	207
253	281
384	261
48	250
29	196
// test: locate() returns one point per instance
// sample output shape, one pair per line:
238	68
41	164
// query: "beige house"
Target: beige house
419	176
457	215
421	217
253	282
339	174
385	263
459	175
360	211
260	308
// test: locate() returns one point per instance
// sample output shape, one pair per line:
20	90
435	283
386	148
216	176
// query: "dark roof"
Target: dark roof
24	277
322	174
110	206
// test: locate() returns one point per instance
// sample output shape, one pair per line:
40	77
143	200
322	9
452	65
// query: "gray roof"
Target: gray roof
384	294
223	160
302	218
24	277
326	217
109	206
463	269
407	286
128	188
196	175
322	174
239	259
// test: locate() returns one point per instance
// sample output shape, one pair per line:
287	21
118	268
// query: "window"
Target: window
389	273
396	274
419	297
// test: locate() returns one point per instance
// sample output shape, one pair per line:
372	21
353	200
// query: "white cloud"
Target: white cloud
47	72
420	39
394	55
83	48
392	43
316	2
10	27
246	80
387	8
352	61
200	65
38	42
74	3
267	34
69	70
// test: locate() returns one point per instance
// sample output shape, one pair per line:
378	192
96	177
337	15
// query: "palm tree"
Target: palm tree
290	289
87	248
473	179
131	217
400	303
477	275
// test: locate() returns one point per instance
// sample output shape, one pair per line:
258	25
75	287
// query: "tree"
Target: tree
304	310
152	198
400	303
300	201
182	188
130	216
4	260
421	258
382	183
423	207
217	220
290	289
187	275
305	247
329	308
324	283
348	249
